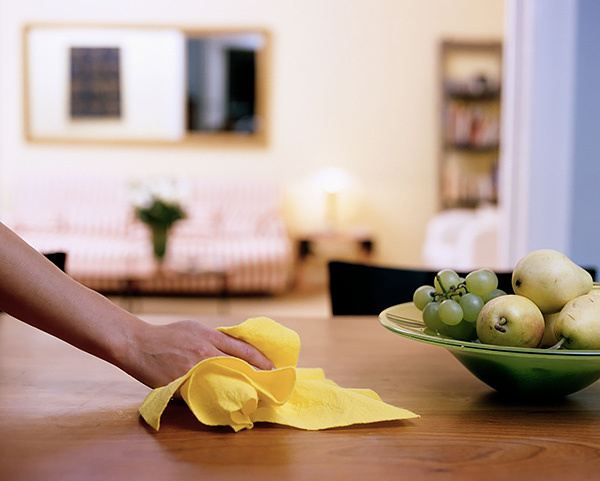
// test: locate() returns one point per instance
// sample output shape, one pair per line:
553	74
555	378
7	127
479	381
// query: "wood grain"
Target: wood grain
68	416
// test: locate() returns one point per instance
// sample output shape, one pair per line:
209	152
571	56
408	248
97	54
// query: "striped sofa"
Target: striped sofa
234	236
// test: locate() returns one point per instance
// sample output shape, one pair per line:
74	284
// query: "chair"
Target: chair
365	290
59	259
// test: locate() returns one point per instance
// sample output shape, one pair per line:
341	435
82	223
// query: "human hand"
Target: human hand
64	308
162	353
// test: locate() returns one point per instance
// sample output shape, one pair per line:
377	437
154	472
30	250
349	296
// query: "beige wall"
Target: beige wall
353	85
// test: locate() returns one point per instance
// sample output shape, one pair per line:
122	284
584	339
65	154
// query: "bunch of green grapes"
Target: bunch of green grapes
452	304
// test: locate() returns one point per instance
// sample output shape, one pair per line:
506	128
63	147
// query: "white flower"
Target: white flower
141	197
168	191
162	189
144	194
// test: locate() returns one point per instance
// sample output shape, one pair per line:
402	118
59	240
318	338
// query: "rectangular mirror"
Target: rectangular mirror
146	84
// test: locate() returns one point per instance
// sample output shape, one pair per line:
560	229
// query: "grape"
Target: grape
423	296
481	282
450	312
493	293
463	331
445	280
431	316
471	305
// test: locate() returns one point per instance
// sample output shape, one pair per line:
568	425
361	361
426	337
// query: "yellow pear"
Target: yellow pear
578	323
510	320
550	279
549	338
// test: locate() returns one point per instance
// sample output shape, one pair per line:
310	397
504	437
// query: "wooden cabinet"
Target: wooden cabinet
470	85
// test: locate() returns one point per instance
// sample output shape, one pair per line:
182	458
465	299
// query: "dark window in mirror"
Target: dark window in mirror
221	82
241	91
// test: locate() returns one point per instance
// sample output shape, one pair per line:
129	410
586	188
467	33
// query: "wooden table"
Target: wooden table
67	416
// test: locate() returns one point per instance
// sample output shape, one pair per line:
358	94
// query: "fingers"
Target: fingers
236	348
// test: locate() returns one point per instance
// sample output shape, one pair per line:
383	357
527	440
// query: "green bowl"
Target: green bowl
527	372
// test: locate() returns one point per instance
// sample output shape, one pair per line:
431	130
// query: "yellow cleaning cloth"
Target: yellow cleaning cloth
227	391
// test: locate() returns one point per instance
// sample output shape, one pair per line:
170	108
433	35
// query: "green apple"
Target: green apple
578	323
511	320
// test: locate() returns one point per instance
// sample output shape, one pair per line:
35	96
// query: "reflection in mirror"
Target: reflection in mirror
221	82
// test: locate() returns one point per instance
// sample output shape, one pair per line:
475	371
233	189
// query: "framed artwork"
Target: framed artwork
95	89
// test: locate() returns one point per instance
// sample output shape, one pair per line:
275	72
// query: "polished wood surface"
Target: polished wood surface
67	416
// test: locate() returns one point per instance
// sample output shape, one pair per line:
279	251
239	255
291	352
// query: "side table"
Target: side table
326	245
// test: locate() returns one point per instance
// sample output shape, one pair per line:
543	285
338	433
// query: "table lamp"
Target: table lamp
332	180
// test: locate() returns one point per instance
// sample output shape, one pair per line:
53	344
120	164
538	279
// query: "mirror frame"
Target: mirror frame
259	139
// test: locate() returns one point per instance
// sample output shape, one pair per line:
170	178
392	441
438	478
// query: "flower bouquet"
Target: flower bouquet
158	204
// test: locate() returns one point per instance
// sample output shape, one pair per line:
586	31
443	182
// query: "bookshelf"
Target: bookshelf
470	86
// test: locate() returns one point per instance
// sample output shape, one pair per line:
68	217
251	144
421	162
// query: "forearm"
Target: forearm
37	292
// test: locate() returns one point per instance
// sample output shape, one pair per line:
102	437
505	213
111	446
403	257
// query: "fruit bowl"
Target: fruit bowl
524	372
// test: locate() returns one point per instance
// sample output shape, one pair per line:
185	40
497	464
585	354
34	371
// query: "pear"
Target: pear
510	320
578	323
550	279
549	338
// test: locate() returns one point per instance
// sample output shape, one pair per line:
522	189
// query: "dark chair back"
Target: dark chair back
592	271
59	259
365	290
